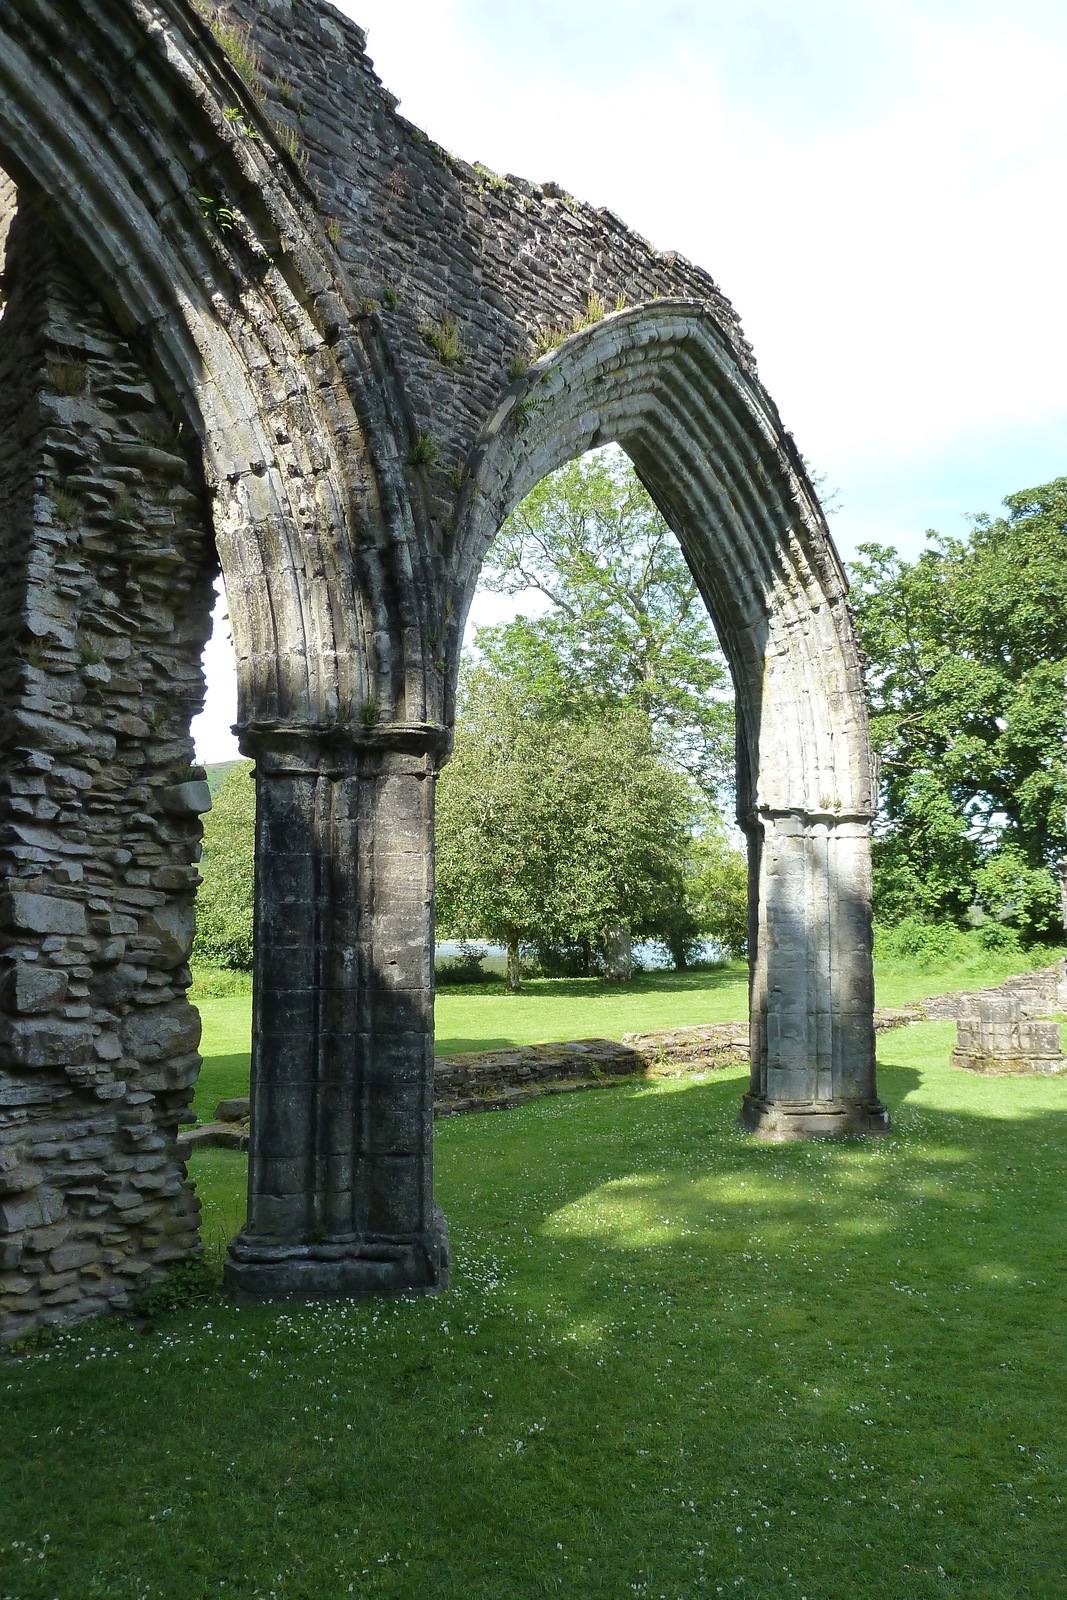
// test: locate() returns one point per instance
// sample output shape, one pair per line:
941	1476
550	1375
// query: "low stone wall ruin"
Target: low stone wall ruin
998	1037
1006	1029
492	1080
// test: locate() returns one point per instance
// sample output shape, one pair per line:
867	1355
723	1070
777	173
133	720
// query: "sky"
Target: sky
876	185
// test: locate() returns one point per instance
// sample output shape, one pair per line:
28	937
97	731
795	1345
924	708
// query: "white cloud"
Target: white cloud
211	730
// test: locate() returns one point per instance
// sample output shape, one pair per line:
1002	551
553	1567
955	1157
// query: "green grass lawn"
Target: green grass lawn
673	1363
483	1017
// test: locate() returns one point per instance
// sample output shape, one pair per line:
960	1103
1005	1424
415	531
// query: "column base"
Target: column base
777	1121
339	1269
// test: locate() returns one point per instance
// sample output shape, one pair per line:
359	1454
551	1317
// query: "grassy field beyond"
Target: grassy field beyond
483	1017
673	1362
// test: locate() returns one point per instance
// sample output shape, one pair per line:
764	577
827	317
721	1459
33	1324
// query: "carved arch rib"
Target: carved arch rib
664	382
249	325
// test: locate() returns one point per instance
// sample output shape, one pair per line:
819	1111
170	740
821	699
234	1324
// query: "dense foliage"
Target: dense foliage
967	648
553	829
627	626
224	902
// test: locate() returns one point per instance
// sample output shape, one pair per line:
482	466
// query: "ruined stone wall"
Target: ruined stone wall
1044	989
103	613
343	311
427	236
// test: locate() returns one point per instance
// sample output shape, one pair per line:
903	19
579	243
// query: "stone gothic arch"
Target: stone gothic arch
280	286
662	381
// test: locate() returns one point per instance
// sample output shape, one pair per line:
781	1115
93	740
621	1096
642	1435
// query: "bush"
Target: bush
224	902
998	936
912	939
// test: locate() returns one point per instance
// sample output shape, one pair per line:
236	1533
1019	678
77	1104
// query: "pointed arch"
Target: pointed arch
663	381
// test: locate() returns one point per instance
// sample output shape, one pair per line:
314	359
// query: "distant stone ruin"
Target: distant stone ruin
1008	1029
253	317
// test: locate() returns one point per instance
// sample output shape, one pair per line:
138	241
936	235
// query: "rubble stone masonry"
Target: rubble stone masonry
107	567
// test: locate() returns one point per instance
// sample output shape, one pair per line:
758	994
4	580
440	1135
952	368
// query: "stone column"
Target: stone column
340	1182
811	979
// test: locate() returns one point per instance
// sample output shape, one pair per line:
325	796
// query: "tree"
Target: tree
627	625
718	889
554	829
967	648
225	899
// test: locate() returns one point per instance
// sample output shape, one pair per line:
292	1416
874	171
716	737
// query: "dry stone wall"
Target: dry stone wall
107	566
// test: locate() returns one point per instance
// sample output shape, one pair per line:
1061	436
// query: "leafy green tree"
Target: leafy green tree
224	901
552	829
626	626
967	648
718	889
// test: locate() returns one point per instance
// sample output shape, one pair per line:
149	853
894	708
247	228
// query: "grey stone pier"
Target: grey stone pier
811	980
340	1179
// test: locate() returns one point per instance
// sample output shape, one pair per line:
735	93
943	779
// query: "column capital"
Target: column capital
794	818
343	750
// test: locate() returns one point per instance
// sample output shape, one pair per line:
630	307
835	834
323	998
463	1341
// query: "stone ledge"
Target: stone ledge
1008	1063
214	1136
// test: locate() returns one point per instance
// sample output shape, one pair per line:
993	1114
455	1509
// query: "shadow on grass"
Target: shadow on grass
962	1205
457	1046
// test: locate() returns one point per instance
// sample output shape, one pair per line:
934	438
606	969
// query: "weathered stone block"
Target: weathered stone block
30	987
71	1256
17	1213
46	1042
28	912
18	1179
